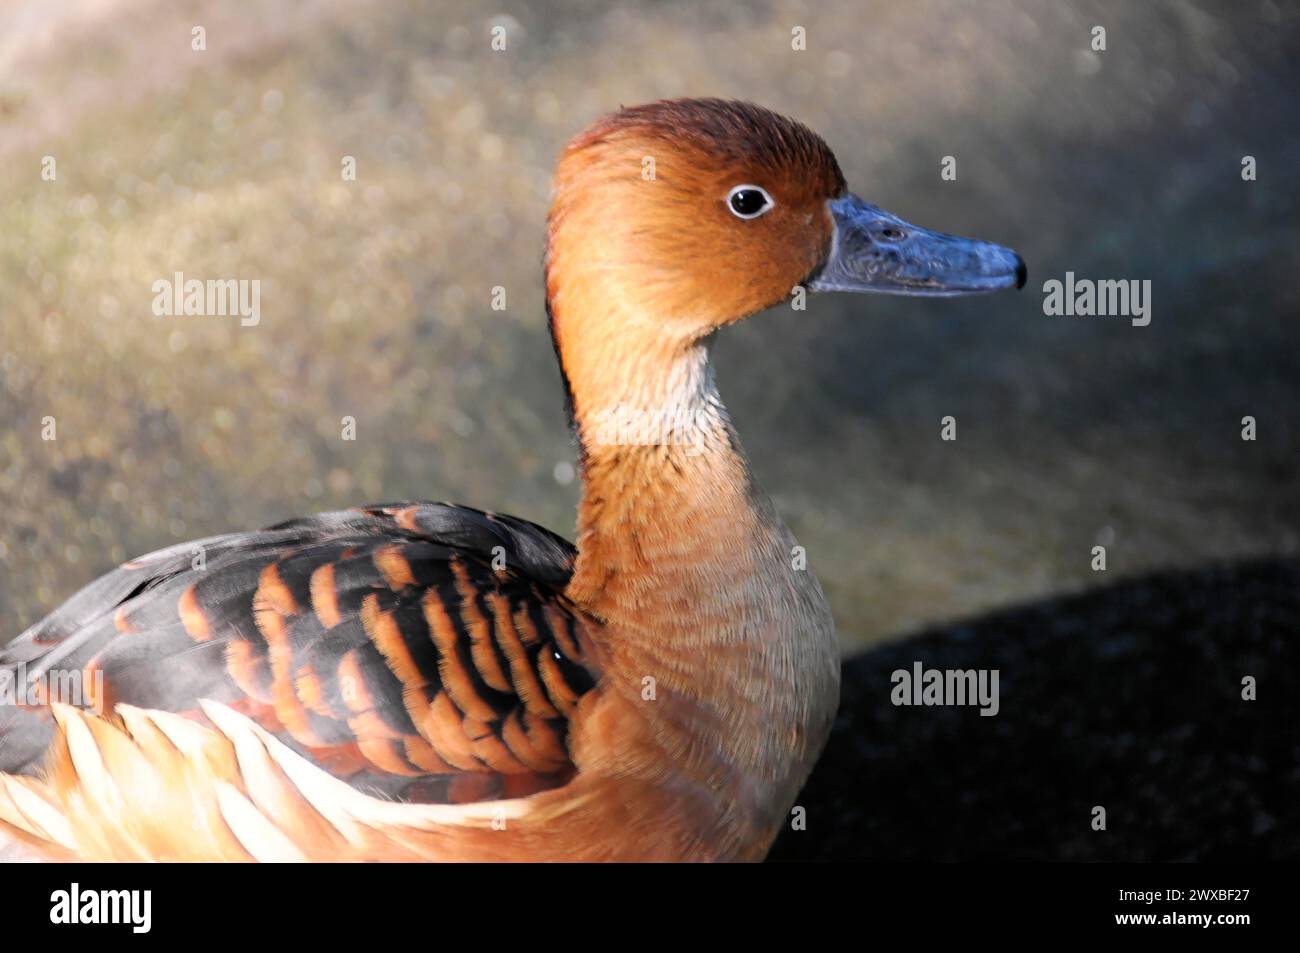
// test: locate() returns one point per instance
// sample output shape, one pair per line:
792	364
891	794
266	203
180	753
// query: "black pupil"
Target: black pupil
748	202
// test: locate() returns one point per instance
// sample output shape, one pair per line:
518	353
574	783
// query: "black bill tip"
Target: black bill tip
1022	273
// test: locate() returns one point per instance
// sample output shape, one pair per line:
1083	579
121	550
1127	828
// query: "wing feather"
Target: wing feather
388	644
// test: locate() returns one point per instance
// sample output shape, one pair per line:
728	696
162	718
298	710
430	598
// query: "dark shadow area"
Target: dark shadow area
1127	697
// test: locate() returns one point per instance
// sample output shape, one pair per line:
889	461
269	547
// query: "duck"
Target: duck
428	681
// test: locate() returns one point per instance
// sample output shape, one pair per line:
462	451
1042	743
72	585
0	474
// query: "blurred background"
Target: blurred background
376	294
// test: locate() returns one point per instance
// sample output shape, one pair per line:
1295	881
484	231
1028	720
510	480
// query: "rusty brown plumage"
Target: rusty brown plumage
376	685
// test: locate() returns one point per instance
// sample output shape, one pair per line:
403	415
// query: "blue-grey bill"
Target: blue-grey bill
874	250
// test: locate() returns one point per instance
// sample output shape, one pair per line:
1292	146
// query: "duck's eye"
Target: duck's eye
748	201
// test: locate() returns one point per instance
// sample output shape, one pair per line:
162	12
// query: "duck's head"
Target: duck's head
685	215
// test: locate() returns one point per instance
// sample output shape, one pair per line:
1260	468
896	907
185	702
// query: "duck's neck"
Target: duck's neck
685	560
669	518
